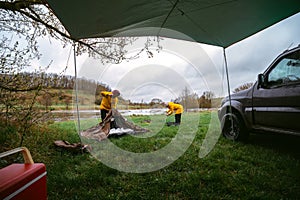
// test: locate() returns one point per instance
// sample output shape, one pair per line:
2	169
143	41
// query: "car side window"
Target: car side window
286	71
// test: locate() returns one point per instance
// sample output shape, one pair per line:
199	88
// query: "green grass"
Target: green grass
267	167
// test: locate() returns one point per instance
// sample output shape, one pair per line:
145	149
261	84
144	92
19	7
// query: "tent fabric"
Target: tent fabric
215	22
103	130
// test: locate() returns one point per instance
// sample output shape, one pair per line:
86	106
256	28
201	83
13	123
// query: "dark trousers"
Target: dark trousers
177	118
103	115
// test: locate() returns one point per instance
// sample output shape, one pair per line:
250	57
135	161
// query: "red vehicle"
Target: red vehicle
272	104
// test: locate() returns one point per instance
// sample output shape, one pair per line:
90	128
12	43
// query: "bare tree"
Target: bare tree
205	101
31	19
156	102
188	99
22	23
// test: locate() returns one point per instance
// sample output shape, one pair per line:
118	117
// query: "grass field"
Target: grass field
266	167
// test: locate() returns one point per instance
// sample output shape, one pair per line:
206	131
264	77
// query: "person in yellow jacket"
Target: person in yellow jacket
109	101
178	109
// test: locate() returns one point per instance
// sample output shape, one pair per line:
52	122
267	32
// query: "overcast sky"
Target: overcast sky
181	64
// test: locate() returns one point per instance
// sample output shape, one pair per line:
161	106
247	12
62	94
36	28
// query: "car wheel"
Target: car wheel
234	128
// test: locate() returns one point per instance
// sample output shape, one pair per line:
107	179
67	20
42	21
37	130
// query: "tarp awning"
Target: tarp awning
216	22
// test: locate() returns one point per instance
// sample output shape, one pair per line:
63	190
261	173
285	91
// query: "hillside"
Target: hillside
56	92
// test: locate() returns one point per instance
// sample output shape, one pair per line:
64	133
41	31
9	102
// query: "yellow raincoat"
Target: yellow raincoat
108	102
174	107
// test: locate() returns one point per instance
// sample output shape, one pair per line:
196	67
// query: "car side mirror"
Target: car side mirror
260	81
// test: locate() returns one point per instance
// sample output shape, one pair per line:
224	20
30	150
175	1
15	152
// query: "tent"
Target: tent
215	22
103	130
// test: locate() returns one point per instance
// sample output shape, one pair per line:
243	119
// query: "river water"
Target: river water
64	115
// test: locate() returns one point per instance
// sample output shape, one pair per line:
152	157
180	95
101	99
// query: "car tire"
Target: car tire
234	128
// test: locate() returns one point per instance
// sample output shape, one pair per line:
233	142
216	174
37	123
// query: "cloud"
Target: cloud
167	73
57	57
253	55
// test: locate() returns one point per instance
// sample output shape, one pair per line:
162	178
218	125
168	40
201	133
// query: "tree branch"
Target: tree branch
18	5
62	33
21	6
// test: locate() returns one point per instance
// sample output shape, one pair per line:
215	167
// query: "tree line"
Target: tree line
49	81
187	99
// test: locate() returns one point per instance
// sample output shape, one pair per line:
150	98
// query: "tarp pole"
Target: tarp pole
228	84
76	92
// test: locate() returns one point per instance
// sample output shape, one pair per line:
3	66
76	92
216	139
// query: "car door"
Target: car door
276	103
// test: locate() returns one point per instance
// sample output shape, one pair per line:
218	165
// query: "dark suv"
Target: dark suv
271	104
